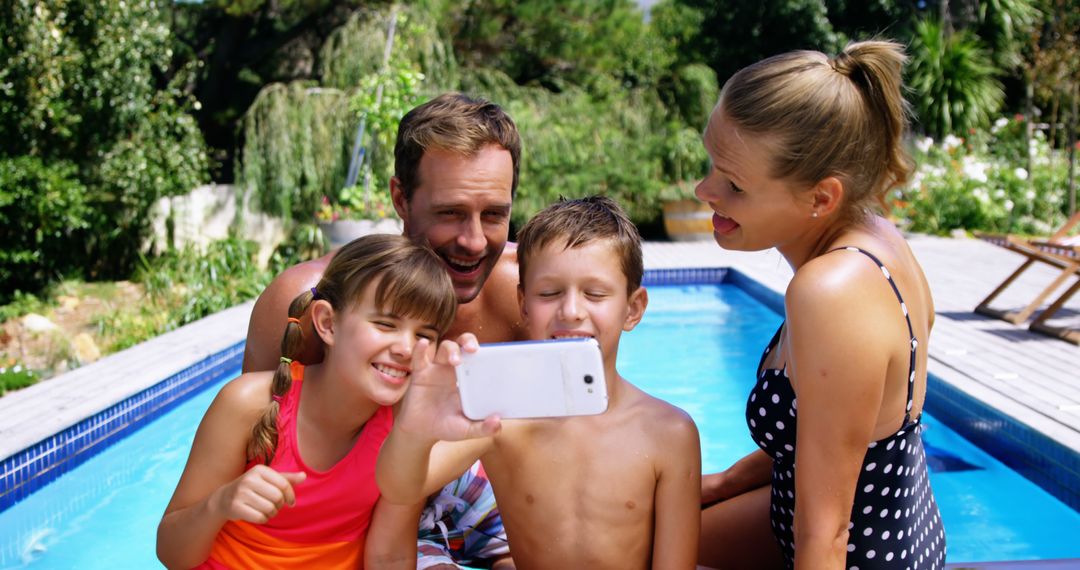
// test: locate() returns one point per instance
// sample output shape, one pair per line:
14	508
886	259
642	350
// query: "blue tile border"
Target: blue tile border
685	276
41	463
1050	465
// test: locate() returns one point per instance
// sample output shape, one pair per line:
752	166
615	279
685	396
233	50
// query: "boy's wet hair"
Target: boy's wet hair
579	222
408	280
457	123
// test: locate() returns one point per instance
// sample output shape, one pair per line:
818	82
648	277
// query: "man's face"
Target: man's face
461	210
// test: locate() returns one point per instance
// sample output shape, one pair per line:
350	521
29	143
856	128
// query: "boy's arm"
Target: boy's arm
214	487
423	451
678	497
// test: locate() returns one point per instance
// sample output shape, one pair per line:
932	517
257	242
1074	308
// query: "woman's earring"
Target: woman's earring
814	215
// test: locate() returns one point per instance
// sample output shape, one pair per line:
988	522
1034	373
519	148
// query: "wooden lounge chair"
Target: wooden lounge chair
1058	251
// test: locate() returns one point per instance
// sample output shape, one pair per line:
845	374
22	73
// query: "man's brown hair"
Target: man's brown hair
579	222
453	122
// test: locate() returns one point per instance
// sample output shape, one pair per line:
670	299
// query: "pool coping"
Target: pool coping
48	438
53	426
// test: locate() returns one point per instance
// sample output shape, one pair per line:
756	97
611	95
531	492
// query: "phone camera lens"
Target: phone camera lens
588	379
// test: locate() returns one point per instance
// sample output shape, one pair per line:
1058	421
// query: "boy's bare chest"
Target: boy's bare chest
579	466
591	492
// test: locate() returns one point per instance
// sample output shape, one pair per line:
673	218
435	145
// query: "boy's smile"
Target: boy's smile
579	292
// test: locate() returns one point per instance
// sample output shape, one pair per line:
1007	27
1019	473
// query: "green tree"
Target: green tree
86	84
732	34
954	83
557	42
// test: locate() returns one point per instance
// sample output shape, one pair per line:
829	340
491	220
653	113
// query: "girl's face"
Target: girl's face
753	210
372	348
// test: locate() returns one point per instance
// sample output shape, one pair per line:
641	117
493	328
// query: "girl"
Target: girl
803	146
282	469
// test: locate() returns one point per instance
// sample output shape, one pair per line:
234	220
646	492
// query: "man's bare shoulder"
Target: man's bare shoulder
296	278
246	394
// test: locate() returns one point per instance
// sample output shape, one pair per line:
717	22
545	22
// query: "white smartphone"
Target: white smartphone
533	379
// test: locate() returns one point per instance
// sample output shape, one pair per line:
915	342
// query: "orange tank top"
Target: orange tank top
327	526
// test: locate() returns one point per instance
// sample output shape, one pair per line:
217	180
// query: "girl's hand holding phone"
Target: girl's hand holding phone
432	407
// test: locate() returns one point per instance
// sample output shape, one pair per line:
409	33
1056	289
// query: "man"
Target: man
456	165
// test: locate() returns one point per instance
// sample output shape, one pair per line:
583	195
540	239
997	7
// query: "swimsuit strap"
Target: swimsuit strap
914	342
770	347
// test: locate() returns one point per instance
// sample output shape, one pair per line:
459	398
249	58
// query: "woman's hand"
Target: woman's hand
257	495
712	488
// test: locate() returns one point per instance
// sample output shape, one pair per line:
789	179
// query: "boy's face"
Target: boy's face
579	292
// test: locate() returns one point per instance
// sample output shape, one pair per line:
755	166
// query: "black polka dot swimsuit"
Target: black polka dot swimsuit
895	521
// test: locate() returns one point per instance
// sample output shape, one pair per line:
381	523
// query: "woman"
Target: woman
803	147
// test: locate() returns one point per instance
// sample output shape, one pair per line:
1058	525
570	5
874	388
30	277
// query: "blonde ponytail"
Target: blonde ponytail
843	116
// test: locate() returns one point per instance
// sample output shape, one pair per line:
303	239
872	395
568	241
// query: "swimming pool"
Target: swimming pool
697	347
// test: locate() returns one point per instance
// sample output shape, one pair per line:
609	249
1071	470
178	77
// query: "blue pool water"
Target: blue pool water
697	347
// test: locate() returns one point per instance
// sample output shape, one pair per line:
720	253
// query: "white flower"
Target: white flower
1021	173
980	194
999	193
1030	195
17	368
925	144
974	169
1009	205
951	142
999	124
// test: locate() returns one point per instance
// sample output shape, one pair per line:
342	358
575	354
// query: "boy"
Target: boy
616	490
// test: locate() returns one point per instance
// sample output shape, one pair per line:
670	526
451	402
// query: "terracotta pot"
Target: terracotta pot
688	220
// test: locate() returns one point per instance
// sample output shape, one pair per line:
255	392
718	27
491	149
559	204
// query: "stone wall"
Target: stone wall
207	214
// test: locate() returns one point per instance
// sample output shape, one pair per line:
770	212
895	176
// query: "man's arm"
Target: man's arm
678	496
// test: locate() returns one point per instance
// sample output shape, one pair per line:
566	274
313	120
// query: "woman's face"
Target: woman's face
753	210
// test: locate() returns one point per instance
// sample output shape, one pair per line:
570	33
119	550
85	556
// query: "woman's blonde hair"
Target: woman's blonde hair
408	279
843	116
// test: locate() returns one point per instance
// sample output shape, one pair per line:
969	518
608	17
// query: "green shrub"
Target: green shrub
21	304
42	211
183	286
89	89
165	156
964	185
954	83
15	376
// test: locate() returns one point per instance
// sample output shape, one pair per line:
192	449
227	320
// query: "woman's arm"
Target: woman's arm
839	333
745	475
214	487
677	509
